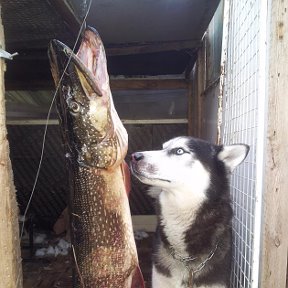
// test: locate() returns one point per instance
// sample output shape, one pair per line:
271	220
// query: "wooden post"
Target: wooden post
275	227
190	109
201	85
10	259
196	86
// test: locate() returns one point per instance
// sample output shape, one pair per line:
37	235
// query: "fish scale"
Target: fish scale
107	234
96	144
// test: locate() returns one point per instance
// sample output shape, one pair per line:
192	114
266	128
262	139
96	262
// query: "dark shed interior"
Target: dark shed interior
151	47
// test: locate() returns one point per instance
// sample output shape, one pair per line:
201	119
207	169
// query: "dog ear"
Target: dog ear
233	155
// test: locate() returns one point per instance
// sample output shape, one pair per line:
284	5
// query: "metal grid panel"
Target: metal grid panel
241	125
30	23
52	190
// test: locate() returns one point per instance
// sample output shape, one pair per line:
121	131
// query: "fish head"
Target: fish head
93	130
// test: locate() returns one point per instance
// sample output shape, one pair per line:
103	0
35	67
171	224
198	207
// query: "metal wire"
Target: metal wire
48	117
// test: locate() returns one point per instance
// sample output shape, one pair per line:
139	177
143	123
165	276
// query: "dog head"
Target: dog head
188	164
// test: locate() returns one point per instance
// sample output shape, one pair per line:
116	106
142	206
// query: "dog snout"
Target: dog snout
137	156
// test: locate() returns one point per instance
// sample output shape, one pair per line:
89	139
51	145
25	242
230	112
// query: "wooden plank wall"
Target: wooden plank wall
275	226
196	92
10	259
205	81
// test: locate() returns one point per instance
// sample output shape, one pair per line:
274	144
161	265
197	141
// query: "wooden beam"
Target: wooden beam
26	111
29	85
66	12
152	47
190	110
201	81
115	84
148	84
37	52
275	228
42	121
196	95
10	255
190	65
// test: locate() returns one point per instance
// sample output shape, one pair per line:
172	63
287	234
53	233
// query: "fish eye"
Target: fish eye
75	107
179	151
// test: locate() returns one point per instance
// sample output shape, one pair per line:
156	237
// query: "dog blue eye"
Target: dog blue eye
180	151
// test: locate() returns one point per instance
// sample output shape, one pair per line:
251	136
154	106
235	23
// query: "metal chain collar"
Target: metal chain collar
185	261
210	256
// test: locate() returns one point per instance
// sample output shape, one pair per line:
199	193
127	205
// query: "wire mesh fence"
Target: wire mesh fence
241	125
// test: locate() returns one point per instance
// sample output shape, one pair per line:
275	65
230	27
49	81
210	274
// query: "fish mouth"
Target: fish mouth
84	64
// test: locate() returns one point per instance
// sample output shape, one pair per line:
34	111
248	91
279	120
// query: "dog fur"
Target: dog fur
190	183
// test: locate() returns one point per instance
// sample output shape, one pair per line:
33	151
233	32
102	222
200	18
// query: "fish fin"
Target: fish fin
138	280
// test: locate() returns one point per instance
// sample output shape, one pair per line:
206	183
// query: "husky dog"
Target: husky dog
193	242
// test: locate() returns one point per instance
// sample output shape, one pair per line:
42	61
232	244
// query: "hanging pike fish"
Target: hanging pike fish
95	144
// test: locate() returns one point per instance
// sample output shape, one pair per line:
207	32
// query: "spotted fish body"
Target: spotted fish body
95	143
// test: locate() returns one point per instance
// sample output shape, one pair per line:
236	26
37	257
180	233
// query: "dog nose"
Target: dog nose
137	156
